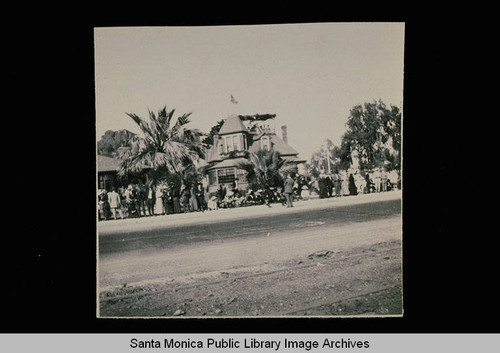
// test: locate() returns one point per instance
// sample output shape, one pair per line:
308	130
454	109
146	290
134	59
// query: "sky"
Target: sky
309	75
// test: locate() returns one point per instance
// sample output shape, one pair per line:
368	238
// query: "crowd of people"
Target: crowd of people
353	182
143	200
146	200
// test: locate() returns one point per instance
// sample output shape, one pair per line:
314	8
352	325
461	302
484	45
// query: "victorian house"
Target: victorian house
237	137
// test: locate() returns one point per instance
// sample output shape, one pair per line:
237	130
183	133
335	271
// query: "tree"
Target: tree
209	139
265	169
165	148
374	131
391	120
342	157
111	140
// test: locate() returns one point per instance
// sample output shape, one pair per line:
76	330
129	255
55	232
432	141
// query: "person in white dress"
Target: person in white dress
159	200
345	183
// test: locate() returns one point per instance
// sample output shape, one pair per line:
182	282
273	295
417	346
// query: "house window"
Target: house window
105	182
102	182
229	144
243	144
221	147
264	141
236	143
226	175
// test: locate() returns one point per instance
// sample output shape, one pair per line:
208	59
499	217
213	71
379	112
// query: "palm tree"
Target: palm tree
166	148
265	168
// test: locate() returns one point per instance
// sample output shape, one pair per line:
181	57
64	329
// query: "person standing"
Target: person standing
288	190
329	185
337	183
175	198
368	183
200	196
193	203
143	197
138	199
164	198
115	203
158	200
314	186
185	195
130	201
353	190
376	179
360	182
322	186
383	180
169	204
221	193
344	183
104	204
151	199
206	196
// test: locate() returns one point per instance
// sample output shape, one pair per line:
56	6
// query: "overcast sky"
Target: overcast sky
309	75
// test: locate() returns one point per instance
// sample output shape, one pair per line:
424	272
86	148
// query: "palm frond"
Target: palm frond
165	148
144	126
178	128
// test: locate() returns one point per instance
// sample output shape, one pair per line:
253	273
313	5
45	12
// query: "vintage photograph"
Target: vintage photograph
249	171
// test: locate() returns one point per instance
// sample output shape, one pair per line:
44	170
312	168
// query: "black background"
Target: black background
50	249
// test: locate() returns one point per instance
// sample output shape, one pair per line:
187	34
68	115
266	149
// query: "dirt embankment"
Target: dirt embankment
364	280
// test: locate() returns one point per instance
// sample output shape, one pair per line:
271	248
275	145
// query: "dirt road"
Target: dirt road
319	269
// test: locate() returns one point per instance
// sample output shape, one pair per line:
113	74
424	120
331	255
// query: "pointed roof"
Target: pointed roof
231	125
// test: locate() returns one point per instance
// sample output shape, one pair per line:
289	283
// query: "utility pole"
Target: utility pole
328	157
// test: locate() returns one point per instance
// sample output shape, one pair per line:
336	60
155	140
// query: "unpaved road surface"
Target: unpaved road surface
326	262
